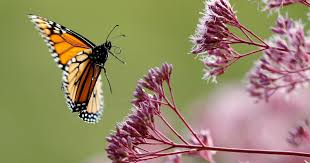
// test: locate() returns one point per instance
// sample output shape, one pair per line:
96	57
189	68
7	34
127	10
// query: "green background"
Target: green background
36	125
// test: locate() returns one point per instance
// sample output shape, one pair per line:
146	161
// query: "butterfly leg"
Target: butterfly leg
117	57
106	75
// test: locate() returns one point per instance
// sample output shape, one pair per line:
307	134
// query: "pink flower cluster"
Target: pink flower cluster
139	126
300	135
212	30
213	39
205	137
243	124
138	138
285	65
147	134
272	4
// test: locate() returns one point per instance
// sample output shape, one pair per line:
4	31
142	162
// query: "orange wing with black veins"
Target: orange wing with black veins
63	43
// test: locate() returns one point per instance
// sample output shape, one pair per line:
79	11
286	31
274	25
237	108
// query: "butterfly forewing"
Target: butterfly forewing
82	87
63	43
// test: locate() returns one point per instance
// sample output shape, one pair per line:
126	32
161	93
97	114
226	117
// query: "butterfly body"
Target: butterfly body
81	62
100	53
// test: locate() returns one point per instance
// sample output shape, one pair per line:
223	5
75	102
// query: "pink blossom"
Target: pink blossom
140	125
212	37
271	4
285	64
206	138
139	138
174	159
237	122
300	135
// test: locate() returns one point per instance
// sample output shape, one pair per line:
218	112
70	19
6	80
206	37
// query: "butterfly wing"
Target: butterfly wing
94	109
82	86
63	43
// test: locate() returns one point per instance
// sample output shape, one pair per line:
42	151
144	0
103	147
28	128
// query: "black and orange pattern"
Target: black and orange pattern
81	75
63	43
82	86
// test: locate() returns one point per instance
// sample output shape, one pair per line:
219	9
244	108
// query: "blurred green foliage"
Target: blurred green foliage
36	125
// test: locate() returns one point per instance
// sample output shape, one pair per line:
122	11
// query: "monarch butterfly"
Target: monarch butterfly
81	62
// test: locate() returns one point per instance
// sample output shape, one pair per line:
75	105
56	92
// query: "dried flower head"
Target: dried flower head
285	64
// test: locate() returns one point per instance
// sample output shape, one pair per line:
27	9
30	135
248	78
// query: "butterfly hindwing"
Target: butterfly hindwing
63	43
94	108
82	86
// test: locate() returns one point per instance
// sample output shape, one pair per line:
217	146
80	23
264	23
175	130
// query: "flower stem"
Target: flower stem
176	110
188	126
252	52
155	152
172	129
305	3
161	135
171	93
249	38
253	151
253	34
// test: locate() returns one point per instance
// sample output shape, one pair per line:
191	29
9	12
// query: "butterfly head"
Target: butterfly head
107	45
101	52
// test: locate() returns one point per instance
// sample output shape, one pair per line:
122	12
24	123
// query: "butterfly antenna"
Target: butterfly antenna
117	50
111	32
106	76
118	36
117	57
